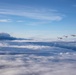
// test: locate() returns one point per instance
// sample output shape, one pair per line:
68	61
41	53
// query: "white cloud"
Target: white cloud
34	47
39	14
5	20
19	21
38	23
3	44
61	61
36	65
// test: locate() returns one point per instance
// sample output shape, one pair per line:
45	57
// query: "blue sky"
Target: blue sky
38	18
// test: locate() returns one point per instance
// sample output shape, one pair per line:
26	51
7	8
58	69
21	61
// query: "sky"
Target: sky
38	18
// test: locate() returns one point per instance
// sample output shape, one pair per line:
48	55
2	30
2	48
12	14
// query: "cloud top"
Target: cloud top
6	36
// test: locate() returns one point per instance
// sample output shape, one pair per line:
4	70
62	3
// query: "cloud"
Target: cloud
36	65
32	47
61	61
33	13
5	20
6	36
19	21
38	23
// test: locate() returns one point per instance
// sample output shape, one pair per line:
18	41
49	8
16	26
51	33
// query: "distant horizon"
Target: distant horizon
6	36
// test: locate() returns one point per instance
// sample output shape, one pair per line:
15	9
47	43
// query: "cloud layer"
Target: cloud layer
37	65
37	58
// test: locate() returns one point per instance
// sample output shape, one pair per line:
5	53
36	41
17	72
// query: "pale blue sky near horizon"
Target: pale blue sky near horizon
38	18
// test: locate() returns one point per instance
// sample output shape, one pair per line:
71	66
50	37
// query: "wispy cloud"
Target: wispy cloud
33	13
19	21
5	20
38	23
